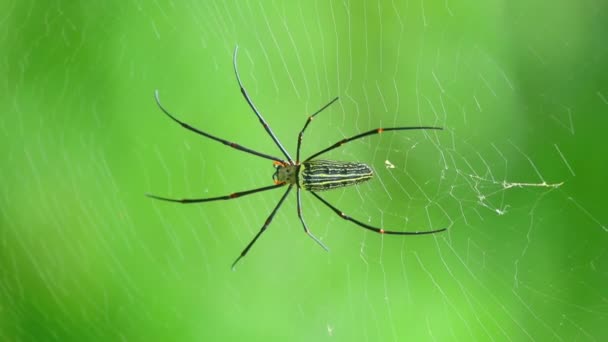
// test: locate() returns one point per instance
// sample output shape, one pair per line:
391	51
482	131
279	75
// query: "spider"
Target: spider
312	175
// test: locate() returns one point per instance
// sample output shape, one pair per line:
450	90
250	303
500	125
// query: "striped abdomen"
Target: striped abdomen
320	175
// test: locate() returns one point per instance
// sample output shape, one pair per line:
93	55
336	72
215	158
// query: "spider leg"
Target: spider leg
256	111
364	134
198	131
306	230
268	220
227	197
372	228
306	125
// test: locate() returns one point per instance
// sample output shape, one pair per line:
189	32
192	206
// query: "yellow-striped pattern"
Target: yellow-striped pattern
321	175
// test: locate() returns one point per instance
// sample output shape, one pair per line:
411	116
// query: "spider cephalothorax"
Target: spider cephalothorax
285	173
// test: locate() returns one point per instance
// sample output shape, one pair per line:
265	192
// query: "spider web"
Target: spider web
516	175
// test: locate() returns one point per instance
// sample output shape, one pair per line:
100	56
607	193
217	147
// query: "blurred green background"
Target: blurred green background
521	88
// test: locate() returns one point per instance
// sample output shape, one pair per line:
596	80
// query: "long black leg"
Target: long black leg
372	228
361	135
198	131
306	230
227	197
306	125
268	220
255	110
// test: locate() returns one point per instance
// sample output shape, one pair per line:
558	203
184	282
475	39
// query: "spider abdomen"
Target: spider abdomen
321	175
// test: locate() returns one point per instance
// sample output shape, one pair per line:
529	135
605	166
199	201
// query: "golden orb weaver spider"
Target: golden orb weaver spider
311	175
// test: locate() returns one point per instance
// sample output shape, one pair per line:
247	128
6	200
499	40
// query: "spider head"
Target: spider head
284	173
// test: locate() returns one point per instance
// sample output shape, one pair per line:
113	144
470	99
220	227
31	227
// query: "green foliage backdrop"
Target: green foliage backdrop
518	175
